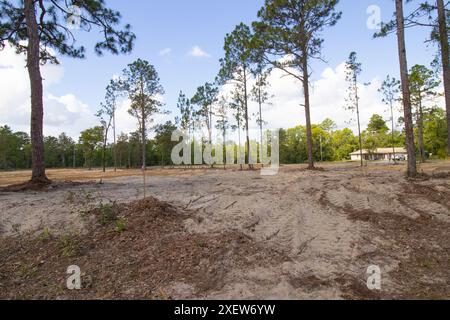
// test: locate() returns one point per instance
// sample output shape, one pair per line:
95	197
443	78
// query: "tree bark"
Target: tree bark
37	104
420	133
260	124
144	136
309	141
210	113
210	124
393	132
74	156
359	121
224	150
410	146
144	149
104	152
246	120
443	37
115	142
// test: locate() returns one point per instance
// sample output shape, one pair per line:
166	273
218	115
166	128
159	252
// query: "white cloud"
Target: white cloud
328	95
61	113
198	52
126	123
165	52
327	100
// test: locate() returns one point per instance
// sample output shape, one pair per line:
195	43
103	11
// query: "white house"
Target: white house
386	154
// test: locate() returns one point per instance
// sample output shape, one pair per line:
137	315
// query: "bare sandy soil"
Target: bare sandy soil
316	233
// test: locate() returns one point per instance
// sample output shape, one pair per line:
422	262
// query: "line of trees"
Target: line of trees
286	36
330	144
435	16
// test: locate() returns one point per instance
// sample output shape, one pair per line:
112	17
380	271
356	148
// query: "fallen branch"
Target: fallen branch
230	205
305	244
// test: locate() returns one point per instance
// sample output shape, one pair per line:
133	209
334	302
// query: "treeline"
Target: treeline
330	144
87	152
287	35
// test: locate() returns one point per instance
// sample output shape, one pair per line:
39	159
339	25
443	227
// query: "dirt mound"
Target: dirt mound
138	250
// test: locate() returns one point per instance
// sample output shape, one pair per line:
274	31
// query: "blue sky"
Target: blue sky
182	24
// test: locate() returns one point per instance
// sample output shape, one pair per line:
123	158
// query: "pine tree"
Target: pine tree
38	27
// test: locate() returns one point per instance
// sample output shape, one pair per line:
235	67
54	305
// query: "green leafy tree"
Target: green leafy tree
164	143
52	152
344	143
205	98
377	125
186	113
123	150
290	29
39	29
435	131
328	125
423	83
375	136
90	140
323	144
65	146
14	149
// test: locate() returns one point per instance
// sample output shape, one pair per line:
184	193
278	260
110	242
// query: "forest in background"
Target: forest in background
330	144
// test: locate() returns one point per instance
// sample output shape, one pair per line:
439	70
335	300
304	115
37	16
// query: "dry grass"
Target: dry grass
141	261
81	175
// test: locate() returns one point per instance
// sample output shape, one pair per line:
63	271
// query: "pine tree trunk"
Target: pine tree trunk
393	133
144	149
240	146
224	151
260	126
37	104
104	157
129	157
210	129
359	121
210	124
410	146
420	133
250	165
115	142
443	37
308	114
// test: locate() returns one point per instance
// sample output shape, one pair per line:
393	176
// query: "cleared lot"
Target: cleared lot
232	234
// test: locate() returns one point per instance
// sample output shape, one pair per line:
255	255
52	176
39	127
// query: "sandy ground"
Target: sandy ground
331	224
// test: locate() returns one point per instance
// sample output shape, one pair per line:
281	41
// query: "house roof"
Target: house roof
382	151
